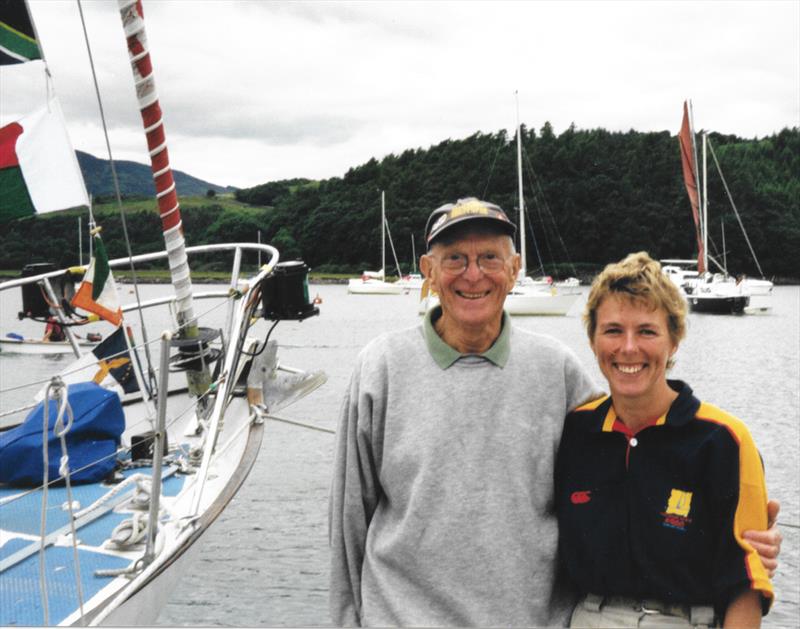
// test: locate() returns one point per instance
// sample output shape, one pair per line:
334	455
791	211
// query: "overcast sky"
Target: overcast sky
257	91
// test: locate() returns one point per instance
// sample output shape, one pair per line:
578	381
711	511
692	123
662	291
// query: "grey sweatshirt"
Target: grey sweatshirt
441	510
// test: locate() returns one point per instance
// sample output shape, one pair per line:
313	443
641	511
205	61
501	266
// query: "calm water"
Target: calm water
265	562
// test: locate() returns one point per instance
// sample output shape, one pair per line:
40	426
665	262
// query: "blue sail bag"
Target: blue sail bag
92	441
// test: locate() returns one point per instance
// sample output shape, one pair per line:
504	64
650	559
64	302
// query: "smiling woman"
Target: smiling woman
654	488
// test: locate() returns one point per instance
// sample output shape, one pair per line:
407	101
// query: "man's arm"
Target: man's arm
768	543
354	494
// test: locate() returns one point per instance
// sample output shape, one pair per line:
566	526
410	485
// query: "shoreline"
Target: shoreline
162	277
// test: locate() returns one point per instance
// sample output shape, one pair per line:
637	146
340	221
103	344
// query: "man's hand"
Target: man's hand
768	543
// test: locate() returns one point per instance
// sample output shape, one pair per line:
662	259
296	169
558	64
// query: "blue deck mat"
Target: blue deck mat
20	596
24	515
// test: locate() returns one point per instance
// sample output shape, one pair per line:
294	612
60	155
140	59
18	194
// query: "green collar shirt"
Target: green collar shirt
444	355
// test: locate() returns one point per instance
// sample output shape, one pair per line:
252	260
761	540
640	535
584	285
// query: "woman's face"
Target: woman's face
632	345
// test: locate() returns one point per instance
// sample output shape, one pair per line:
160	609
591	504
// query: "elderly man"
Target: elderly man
442	500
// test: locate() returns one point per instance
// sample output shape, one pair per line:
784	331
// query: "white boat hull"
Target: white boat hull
540	303
146	596
34	346
373	287
535	303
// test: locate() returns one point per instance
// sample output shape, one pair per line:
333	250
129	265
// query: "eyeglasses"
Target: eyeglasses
457	263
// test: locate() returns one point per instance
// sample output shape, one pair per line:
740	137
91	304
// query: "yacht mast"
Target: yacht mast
166	194
522	252
383	235
704	223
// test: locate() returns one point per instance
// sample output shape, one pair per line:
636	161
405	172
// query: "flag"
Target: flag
38	168
114	359
108	364
17	38
98	291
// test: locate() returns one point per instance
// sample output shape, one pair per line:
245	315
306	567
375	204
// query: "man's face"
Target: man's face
473	298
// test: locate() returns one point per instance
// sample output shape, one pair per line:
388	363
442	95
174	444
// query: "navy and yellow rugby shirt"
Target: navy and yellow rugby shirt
660	514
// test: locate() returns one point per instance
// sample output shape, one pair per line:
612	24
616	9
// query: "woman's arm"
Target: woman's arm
744	611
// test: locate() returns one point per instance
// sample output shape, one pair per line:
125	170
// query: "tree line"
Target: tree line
591	197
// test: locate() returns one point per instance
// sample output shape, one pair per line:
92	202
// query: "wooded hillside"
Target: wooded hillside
592	196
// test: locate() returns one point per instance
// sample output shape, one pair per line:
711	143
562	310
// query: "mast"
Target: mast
132	16
383	235
522	252
704	222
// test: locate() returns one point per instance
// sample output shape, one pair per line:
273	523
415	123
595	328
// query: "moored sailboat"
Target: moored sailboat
110	480
371	282
708	292
529	297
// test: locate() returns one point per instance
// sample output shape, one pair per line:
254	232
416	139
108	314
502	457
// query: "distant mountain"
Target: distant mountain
135	179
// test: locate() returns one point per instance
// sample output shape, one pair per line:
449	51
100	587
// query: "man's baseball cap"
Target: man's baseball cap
451	214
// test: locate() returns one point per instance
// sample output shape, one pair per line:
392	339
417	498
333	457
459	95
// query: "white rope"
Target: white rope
133	479
43	519
129	533
61	430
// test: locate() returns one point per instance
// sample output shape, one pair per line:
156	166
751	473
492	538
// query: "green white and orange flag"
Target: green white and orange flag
98	291
38	168
17	36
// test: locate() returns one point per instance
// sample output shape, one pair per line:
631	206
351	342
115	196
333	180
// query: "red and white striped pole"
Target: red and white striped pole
168	206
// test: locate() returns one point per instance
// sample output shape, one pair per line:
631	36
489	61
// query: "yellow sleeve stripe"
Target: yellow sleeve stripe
751	511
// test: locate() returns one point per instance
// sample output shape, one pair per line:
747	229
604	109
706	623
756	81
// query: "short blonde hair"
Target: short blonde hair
639	279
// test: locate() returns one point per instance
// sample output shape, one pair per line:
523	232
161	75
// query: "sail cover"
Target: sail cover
38	168
92	440
689	179
17	38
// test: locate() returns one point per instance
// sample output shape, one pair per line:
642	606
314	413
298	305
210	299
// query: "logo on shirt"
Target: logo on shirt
676	515
580	497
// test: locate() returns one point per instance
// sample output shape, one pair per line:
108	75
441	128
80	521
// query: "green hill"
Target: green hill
592	196
135	179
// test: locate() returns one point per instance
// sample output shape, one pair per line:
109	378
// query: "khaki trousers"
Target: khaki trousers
594	611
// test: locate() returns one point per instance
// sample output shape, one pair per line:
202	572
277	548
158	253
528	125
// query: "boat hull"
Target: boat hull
714	304
530	304
373	287
540	304
144	603
34	346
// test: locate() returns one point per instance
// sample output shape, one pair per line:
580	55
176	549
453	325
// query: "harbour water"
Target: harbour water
265	561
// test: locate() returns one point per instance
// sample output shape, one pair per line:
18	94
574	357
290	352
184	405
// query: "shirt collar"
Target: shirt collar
681	411
444	355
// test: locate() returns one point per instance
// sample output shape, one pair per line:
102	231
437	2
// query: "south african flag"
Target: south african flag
17	38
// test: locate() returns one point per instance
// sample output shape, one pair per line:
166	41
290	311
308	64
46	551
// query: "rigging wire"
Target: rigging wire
118	196
733	205
394	253
541	202
500	146
143	345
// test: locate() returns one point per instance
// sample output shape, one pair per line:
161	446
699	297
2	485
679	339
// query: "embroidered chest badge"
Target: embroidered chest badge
580	497
679	505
